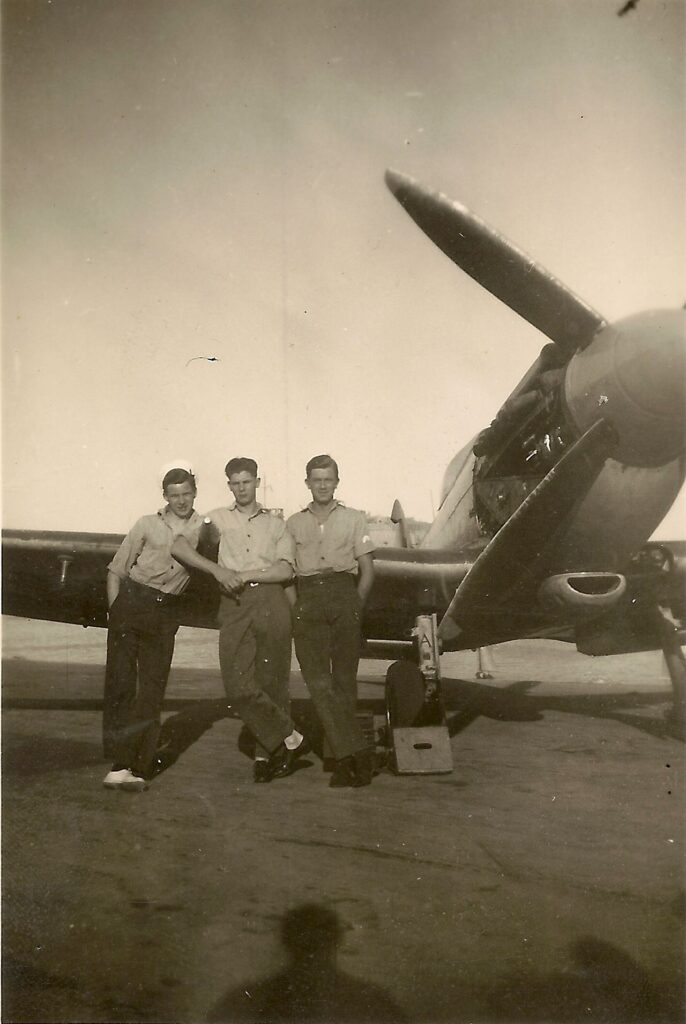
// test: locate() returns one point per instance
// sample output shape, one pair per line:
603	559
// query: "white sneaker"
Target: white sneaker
134	783
113	780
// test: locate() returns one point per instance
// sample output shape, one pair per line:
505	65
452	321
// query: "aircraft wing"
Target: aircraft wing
409	582
61	577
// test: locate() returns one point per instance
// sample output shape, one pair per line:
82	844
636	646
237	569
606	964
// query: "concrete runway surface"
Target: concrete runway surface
542	880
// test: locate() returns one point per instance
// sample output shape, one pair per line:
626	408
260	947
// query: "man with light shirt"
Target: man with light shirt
255	562
144	584
335	572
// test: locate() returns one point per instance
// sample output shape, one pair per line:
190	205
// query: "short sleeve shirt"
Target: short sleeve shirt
145	553
251	541
331	545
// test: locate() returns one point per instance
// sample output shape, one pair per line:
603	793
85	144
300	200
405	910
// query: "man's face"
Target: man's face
180	498
243	486
322	483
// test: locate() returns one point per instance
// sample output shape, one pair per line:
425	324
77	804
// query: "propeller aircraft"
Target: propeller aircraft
545	517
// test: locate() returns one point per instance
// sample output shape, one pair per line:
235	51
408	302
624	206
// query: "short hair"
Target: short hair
179	476
240	465
321	462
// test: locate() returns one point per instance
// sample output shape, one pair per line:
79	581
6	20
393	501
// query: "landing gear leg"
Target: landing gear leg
676	664
417	730
485	664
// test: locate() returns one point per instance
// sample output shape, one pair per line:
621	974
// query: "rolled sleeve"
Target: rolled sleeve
285	546
362	542
128	552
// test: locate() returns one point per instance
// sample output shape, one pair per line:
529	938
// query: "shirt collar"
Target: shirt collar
166	513
258	511
311	507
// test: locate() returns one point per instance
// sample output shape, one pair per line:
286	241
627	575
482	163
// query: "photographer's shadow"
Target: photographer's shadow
311	989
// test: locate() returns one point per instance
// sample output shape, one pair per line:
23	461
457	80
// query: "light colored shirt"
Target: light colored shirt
145	553
251	541
332	544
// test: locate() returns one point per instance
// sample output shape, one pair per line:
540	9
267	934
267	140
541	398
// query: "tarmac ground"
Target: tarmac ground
540	880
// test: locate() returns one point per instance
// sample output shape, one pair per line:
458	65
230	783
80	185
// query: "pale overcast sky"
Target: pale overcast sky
205	179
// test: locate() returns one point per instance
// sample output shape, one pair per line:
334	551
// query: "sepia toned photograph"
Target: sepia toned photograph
343	517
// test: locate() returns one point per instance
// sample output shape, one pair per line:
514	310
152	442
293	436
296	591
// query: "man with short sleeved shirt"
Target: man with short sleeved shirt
144	584
335	572
255	560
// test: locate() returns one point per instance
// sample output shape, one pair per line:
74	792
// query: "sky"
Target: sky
201	260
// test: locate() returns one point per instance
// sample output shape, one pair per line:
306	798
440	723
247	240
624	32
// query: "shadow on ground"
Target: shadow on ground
181	730
27	990
465	701
30	756
312	989
601	983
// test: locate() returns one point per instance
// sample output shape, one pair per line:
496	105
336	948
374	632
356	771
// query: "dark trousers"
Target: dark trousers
140	645
327	642
255	659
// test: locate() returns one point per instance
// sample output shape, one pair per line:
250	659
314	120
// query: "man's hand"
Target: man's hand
229	580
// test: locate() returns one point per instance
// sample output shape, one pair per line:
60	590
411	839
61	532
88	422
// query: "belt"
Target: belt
250	586
151	593
320	578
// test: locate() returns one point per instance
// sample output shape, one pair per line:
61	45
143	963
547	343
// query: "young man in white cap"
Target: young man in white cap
144	583
255	561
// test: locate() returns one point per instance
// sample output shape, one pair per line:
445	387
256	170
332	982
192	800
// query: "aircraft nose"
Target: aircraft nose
633	374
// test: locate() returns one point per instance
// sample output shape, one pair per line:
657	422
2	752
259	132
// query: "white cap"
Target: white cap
176	464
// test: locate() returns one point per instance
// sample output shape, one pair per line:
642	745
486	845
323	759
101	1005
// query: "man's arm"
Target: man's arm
128	552
226	578
126	556
365	578
113	585
277	572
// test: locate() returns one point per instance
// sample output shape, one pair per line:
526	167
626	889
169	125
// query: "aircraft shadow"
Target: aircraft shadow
466	701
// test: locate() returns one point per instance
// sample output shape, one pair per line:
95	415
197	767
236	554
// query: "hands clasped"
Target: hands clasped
229	580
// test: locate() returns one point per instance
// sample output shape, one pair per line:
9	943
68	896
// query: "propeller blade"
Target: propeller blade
504	270
513	557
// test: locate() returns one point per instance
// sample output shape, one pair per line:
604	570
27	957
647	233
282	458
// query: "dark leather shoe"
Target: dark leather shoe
283	760
365	766
343	774
261	772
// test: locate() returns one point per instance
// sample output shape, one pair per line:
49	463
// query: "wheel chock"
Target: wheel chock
421	750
